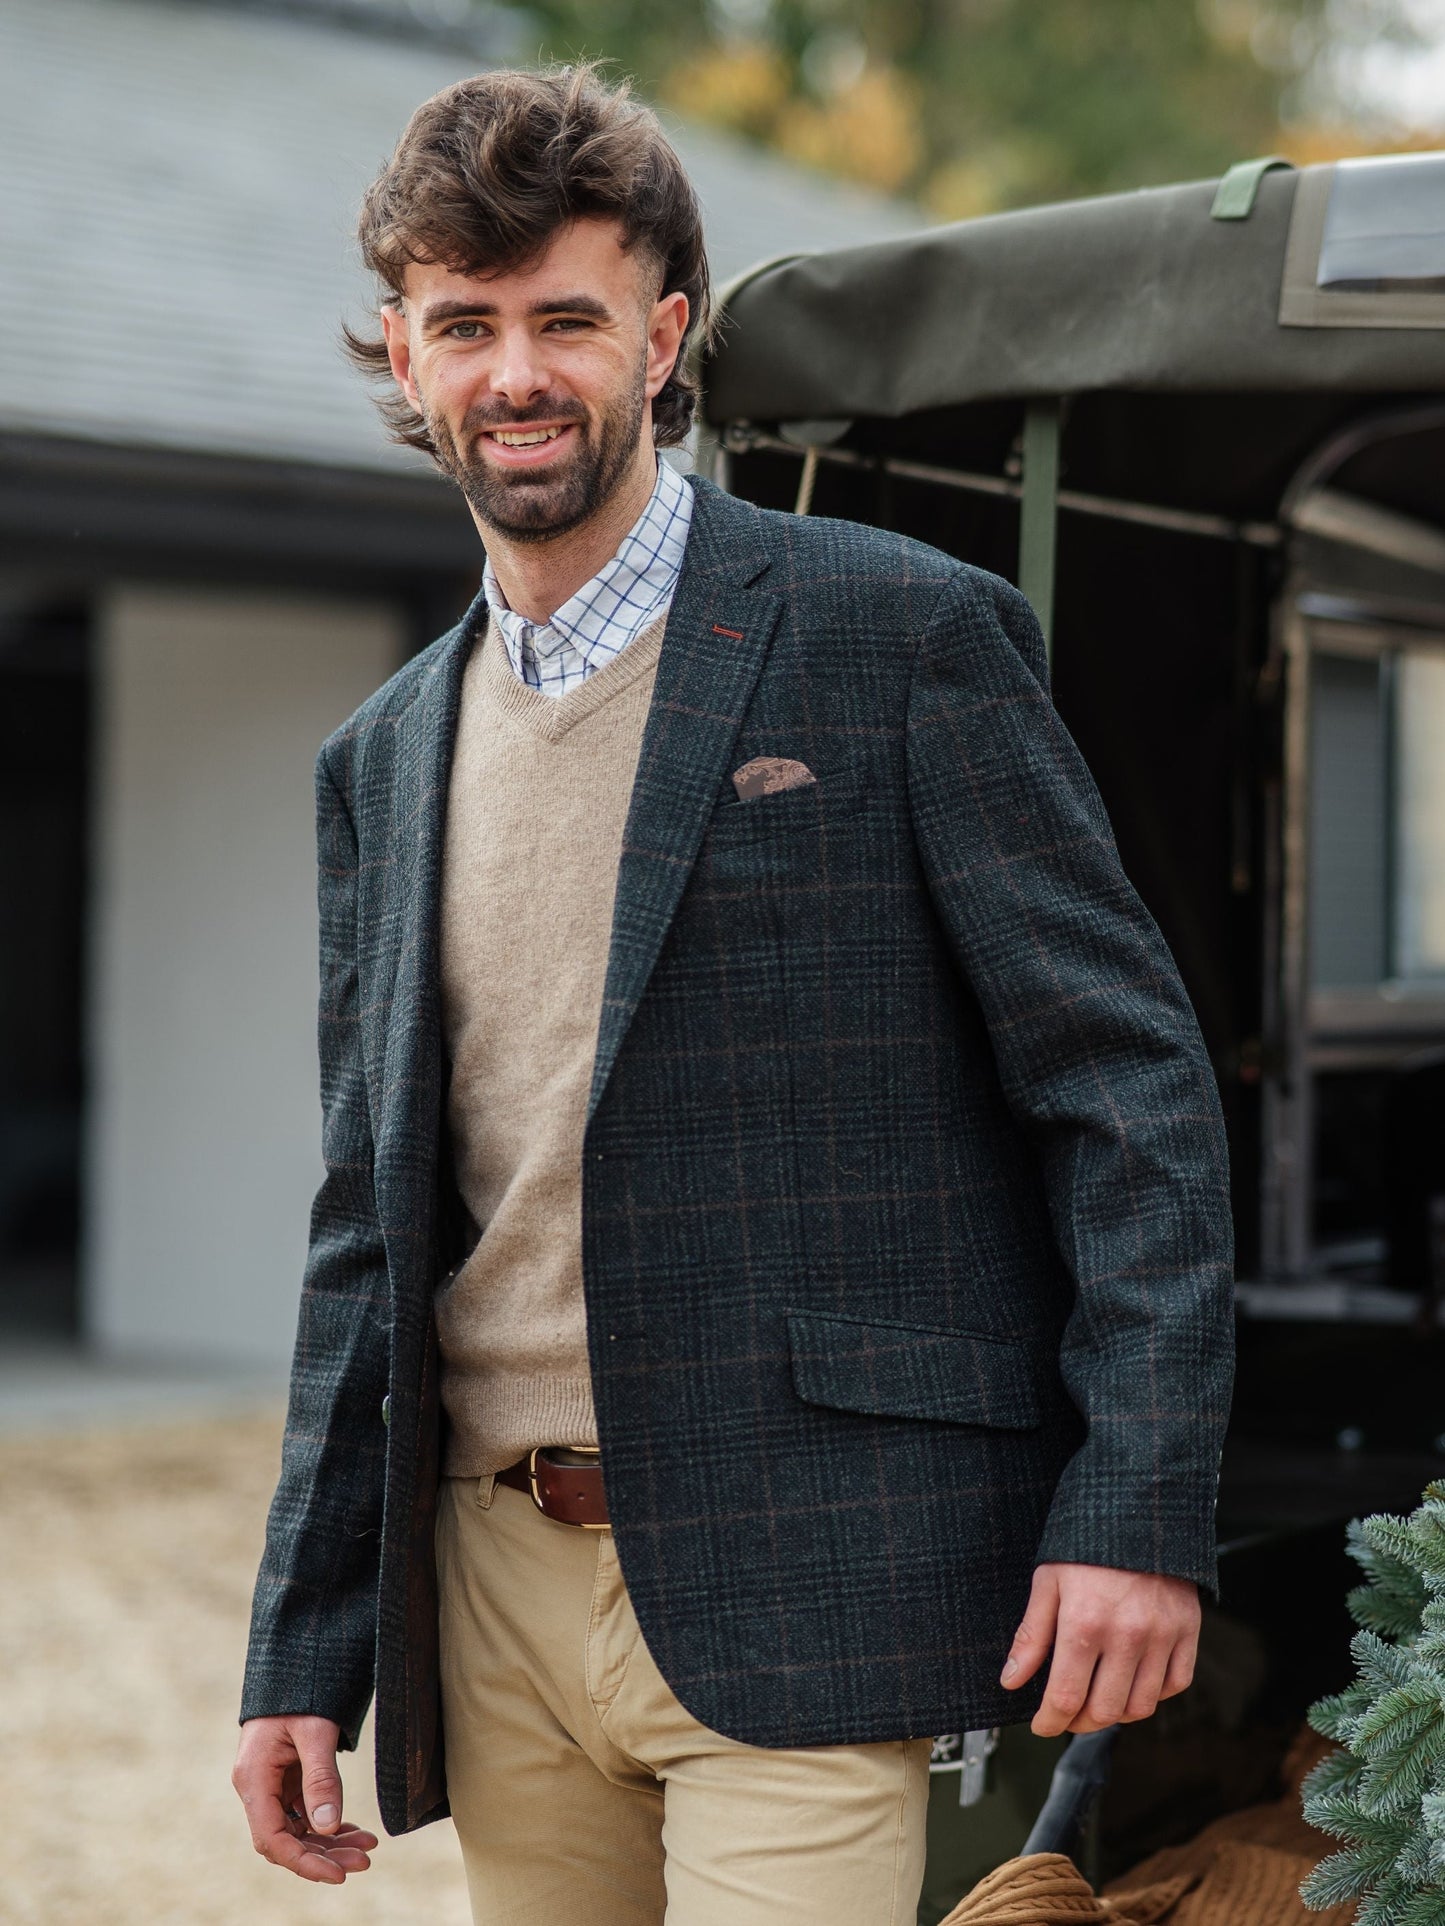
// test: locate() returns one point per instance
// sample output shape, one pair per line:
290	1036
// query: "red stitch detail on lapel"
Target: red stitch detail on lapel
736	634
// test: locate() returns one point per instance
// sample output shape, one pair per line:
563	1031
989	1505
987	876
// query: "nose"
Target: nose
518	373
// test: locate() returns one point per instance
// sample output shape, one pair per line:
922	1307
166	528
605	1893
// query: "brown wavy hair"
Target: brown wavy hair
491	168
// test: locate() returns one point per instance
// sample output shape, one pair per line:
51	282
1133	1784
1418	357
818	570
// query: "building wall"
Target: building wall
203	1124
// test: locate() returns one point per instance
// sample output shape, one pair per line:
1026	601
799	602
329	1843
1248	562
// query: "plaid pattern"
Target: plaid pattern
906	1233
612	609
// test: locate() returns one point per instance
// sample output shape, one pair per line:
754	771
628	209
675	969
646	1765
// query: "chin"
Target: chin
534	520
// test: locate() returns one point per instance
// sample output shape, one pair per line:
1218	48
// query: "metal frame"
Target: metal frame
741	438
1293	1057
1285	1230
1039	510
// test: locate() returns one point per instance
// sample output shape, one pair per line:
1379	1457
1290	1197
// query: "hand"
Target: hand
280	1764
1122	1641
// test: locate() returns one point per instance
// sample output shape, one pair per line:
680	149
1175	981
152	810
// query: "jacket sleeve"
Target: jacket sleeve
313	1622
1102	1064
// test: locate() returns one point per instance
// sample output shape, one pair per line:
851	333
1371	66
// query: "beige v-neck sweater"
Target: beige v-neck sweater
538	797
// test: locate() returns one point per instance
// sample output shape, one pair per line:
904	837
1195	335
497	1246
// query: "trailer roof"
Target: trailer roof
1334	282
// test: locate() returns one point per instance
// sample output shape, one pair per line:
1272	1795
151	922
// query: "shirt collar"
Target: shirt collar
623	596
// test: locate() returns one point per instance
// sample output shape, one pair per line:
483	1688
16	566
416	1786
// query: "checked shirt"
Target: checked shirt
611	610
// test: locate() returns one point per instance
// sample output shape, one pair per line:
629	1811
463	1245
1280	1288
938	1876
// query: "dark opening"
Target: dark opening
44	759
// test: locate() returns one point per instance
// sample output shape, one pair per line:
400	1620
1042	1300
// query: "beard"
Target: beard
528	507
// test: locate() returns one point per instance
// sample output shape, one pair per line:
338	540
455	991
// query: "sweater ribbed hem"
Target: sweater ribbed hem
497	1419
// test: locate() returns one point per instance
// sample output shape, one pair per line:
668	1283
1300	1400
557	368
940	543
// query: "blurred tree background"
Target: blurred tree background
971	105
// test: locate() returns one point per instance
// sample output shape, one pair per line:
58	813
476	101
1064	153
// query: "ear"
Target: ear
665	329
398	352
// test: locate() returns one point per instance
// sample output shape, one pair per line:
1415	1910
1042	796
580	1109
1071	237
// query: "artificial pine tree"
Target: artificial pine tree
1384	1793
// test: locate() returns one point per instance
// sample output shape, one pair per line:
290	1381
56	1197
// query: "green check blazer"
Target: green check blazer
906	1234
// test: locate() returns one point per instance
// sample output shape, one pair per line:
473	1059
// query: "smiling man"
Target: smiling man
768	1301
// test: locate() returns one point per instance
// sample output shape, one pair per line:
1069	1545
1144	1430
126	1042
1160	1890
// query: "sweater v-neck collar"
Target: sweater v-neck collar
550	717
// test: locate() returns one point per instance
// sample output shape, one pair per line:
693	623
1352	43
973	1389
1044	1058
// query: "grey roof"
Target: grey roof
175	230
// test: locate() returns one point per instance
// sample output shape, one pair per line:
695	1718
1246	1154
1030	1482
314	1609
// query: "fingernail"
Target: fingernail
1009	1670
324	1816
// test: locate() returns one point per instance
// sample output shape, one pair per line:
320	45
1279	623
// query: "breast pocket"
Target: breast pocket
834	797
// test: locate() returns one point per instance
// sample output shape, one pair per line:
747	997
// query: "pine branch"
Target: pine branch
1340	1878
1385	1906
1338	1772
1401	1777
1335	1717
1384	1793
1395	1718
1381	1666
1424	1909
1344	1818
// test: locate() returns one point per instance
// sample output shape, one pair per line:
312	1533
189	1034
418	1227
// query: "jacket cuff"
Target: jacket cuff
1128	1535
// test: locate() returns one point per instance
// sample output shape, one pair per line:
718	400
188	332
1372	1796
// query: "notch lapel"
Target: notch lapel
408	971
717	635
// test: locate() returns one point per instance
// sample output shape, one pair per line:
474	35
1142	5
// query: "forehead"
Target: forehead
586	257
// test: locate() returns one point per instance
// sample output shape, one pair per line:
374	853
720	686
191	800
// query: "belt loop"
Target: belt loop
486	1490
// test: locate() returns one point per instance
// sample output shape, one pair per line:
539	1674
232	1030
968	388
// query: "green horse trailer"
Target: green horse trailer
1203	427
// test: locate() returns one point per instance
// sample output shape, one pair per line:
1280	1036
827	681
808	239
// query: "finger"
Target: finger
353	1836
1035	1634
1076	1652
348	1852
274	1837
311	1857
320	1780
1148	1682
1179	1674
1109	1689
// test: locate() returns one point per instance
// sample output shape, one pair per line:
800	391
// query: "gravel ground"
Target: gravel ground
126	1563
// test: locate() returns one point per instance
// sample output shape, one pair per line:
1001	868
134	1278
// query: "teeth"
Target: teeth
524	438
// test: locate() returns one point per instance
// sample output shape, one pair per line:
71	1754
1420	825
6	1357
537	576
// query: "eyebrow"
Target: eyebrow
587	304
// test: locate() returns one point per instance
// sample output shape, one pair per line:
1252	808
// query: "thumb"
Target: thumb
320	1780
1035	1634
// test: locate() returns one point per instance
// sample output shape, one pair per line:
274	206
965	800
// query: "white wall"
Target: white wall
203	1126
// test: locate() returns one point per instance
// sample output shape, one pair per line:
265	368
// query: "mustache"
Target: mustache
484	415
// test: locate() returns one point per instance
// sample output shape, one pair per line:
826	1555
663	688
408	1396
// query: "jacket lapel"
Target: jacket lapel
409	944
717	636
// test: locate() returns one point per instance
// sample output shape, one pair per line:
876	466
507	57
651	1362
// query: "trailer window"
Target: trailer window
1348	823
1419	866
1366	245
1385	226
1377	819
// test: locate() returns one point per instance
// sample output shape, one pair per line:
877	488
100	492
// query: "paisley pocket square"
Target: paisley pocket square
766	775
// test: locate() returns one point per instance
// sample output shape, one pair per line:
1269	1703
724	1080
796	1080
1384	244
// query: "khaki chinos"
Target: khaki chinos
585	1795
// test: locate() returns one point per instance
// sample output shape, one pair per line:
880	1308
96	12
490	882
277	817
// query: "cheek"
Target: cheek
451	383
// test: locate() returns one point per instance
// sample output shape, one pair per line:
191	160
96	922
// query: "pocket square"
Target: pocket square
766	775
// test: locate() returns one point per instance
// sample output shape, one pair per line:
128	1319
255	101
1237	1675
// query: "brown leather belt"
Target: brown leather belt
572	1494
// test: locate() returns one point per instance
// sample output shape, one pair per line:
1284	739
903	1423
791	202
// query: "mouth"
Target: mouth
528	447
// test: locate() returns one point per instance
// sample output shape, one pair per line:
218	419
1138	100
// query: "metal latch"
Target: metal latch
967	1754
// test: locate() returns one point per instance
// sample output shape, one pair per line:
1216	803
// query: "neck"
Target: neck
538	577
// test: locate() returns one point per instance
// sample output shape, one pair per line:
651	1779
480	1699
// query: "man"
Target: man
742	1054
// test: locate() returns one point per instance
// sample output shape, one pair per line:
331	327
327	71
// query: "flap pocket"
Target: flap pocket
912	1371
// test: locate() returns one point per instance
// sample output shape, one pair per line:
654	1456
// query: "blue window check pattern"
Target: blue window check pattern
611	610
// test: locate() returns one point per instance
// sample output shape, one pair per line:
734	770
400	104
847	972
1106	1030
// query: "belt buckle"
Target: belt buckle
584	1451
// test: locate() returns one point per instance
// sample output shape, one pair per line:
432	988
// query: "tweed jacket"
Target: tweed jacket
905	1221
